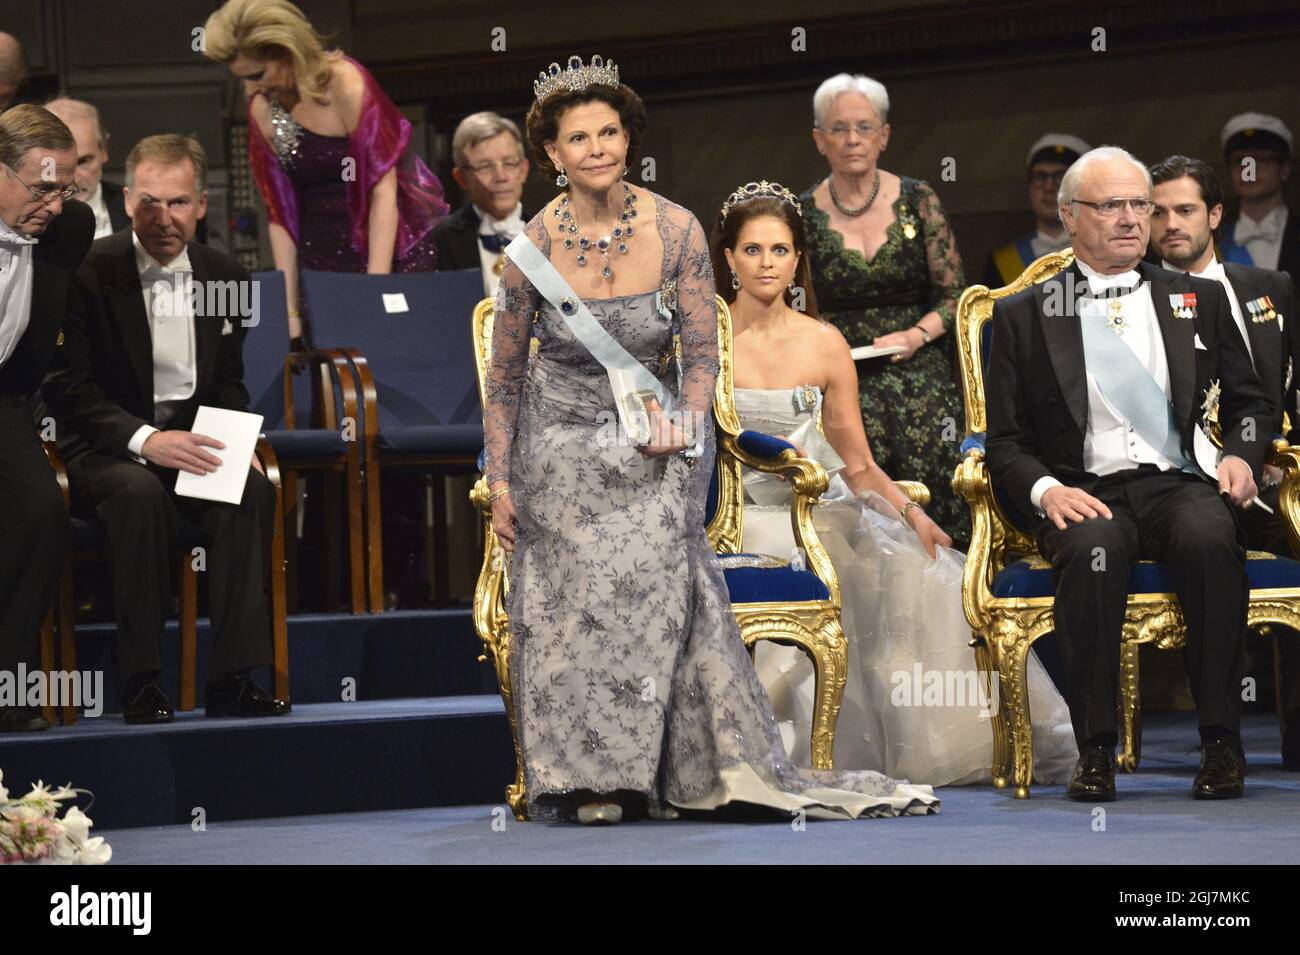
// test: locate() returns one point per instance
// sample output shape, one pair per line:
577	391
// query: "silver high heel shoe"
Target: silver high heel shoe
661	811
600	813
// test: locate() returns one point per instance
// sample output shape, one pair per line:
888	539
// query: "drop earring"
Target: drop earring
561	180
735	282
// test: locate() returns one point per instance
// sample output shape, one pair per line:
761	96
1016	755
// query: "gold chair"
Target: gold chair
1003	559
811	625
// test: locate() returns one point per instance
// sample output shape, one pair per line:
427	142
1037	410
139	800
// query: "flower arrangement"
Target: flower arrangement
31	830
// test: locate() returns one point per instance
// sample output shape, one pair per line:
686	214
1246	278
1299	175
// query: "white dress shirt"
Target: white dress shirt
167	302
1111	443
15	289
103	224
1216	271
1262	239
507	228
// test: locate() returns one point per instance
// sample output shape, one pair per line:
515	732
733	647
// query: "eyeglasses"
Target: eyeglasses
1041	178
47	195
485	168
1108	208
840	130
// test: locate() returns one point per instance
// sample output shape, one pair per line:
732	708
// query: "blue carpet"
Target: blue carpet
1154	821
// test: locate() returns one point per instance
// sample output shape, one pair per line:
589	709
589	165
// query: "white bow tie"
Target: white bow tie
16	239
1248	229
156	271
511	226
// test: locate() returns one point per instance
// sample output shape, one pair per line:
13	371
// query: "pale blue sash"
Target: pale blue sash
1129	387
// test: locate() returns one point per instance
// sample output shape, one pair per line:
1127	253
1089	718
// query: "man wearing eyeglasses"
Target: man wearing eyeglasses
491	168
1097	382
43	238
1048	160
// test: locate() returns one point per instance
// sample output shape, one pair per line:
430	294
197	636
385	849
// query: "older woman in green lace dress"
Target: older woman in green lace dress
886	273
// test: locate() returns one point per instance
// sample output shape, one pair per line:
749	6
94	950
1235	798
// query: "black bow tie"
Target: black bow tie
495	243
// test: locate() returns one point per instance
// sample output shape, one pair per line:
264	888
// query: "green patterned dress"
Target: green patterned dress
912	409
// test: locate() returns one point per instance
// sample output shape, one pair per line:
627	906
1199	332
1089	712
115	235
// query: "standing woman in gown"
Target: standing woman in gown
900	580
886	272
329	151
631	684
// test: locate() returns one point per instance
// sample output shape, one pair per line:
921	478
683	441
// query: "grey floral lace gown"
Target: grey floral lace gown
628	670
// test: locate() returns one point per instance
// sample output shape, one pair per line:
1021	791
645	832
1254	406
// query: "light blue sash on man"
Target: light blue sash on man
1129	387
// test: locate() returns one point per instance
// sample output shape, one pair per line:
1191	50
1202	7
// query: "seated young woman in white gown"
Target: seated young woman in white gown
914	705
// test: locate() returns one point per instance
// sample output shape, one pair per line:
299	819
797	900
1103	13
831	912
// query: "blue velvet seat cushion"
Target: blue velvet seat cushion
773	584
464	440
299	444
1021	580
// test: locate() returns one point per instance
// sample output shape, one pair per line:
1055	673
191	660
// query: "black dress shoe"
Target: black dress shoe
22	719
146	703
236	695
1094	776
1222	774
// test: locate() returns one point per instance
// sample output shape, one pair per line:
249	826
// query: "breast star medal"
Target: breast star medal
1115	316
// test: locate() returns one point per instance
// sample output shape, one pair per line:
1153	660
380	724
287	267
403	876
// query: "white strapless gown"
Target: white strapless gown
911	706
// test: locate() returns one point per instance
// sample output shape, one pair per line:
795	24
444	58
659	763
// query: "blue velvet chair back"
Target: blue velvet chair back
422	358
265	347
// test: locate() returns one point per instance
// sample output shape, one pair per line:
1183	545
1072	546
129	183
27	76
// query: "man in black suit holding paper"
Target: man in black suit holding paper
1187	216
1096	383
44	234
160	332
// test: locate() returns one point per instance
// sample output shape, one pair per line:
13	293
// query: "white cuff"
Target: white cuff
1041	487
136	444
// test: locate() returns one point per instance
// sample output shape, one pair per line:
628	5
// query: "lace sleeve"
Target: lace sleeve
697	314
516	303
946	277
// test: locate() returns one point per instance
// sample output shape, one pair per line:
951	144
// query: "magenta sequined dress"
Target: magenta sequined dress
324	223
318	187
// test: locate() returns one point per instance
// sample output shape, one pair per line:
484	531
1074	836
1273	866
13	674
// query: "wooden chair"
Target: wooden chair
1007	590
794	607
418	405
327	442
85	548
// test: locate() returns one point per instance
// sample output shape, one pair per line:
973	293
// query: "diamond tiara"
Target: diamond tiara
759	190
575	77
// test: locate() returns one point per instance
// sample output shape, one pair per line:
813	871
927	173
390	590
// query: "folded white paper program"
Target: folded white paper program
238	431
870	351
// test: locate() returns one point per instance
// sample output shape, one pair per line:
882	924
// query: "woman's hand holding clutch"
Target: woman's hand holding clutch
503	518
668	438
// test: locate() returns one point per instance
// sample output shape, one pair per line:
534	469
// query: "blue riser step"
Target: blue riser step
394	655
322	758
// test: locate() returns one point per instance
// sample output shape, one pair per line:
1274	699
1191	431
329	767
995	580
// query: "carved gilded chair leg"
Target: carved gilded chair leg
1130	704
831	663
1012	664
515	795
992	682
